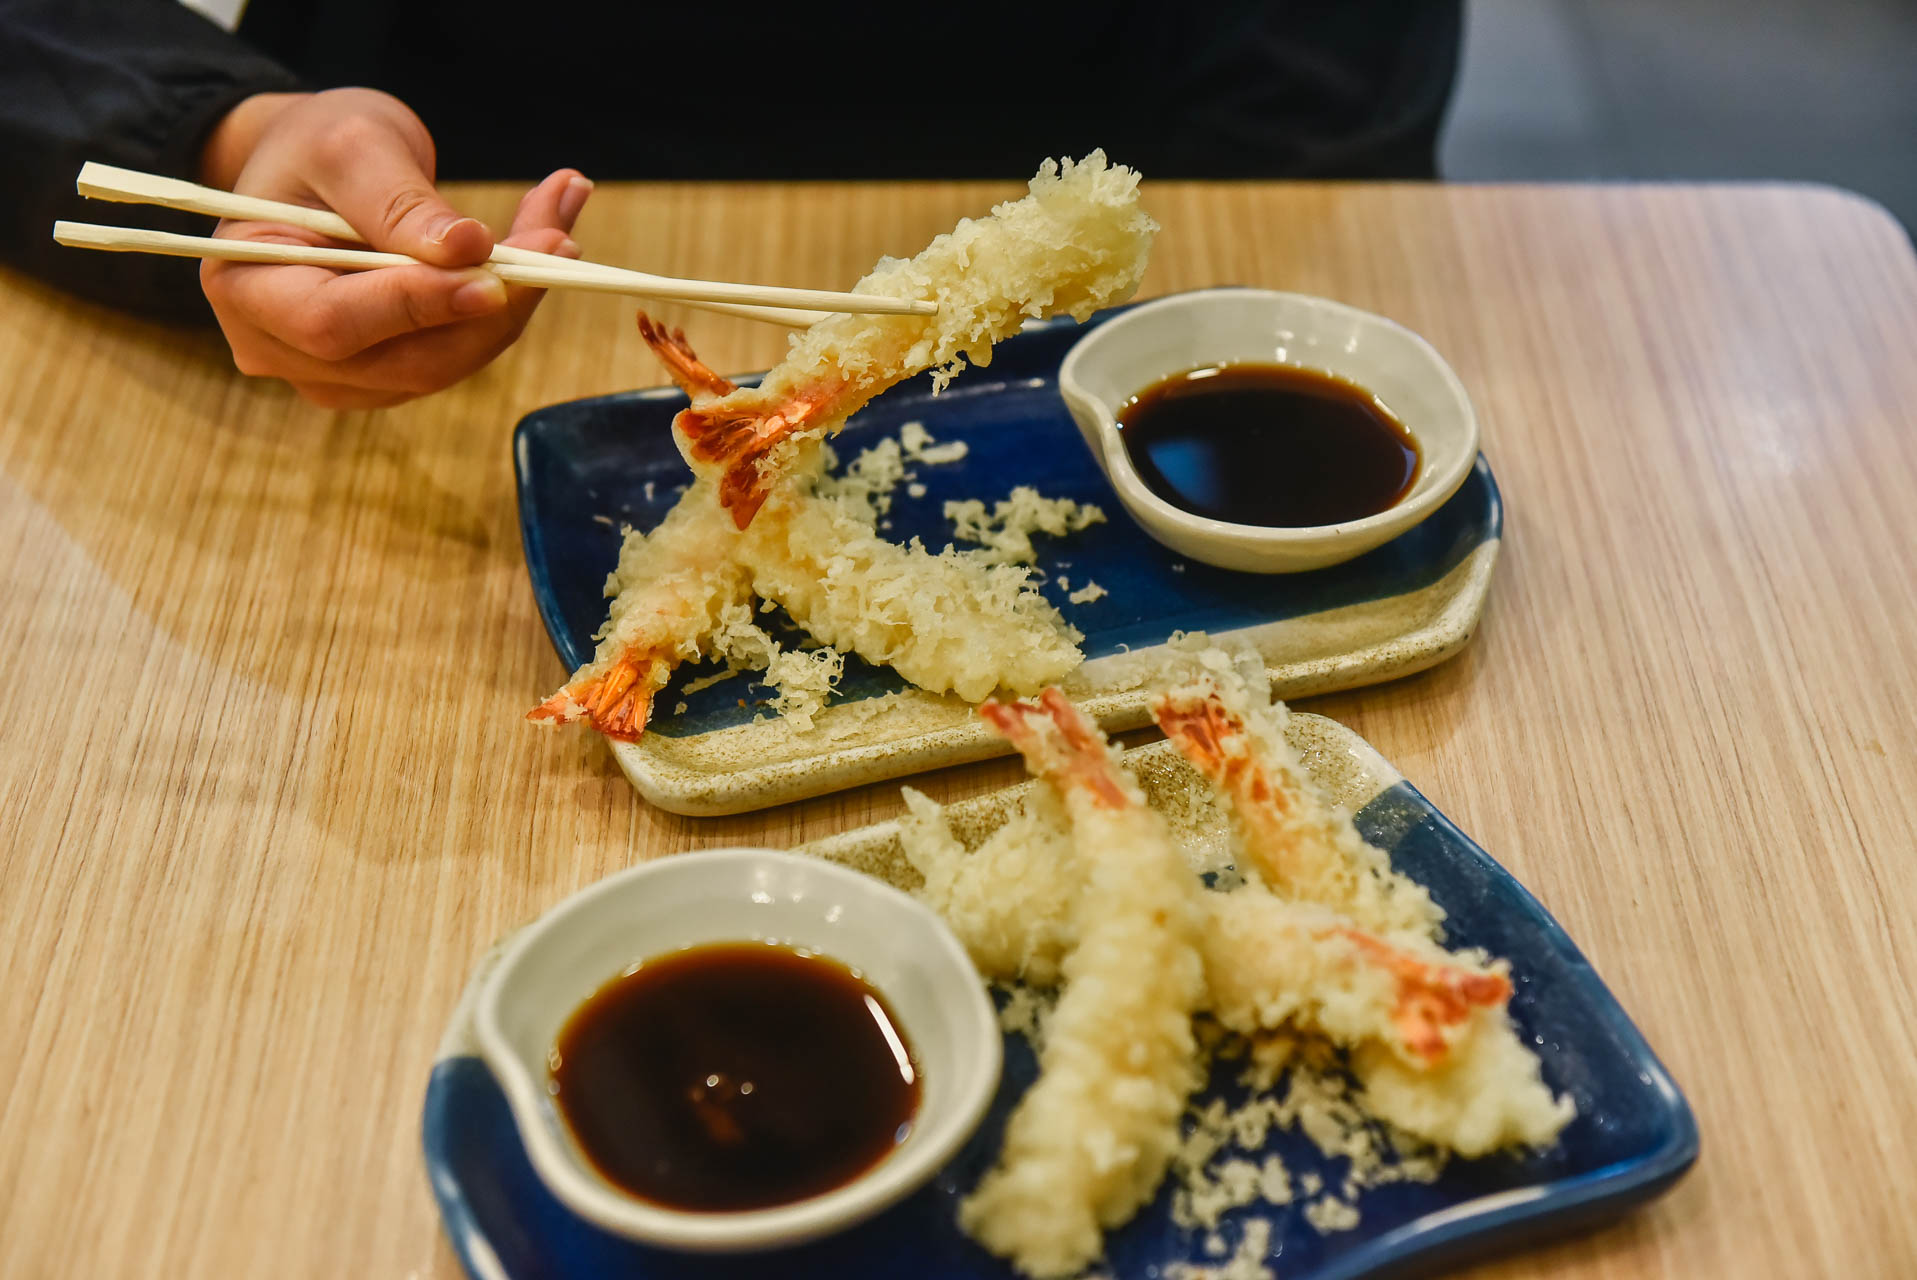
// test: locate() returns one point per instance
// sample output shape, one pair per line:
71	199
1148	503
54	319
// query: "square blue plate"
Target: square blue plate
586	467
1633	1137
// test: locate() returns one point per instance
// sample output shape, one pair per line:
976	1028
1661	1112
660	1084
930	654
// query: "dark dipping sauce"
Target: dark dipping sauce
1268	444
735	1076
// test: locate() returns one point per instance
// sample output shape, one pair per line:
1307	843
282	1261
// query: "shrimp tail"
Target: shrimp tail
1432	999
693	375
1213	738
740	439
1059	741
736	437
617	701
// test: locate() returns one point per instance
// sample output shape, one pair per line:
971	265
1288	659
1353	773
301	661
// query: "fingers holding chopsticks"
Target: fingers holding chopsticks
543	223
360	339
791	307
332	317
368	339
367	157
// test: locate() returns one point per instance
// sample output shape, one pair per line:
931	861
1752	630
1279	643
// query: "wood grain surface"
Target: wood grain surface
265	792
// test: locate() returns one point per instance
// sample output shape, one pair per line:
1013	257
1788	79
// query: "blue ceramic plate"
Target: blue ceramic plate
1633	1137
587	467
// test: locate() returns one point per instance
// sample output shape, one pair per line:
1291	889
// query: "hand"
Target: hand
367	339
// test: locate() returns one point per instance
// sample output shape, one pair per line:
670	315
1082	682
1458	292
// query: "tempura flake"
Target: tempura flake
1004	532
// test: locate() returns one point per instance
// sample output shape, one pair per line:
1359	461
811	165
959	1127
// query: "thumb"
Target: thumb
387	196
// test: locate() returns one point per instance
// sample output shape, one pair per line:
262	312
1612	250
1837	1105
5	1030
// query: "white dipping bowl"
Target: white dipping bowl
737	895
1158	339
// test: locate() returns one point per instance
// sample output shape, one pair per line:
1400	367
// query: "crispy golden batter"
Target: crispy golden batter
1305	849
1080	888
947	622
1012	899
1090	1141
1076	242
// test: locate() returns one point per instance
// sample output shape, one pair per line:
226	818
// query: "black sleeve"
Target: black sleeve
136	83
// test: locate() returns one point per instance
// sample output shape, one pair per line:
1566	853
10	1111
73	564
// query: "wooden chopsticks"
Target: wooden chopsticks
794	307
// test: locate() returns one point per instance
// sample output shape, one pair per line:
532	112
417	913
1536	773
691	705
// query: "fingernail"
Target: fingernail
446	228
567	248
573	199
481	293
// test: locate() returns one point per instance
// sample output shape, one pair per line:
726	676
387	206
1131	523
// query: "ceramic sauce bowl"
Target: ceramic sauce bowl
734	895
1172	335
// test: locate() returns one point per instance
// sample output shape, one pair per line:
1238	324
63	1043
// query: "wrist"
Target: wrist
238	132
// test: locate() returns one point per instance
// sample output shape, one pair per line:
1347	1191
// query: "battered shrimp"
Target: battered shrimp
1487	1094
1076	242
1450	1069
1269	964
1090	1141
945	621
672	586
1010	901
1429	1034
1272	964
1300	846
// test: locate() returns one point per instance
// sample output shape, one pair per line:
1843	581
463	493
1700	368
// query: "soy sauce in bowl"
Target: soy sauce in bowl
735	1076
1269	445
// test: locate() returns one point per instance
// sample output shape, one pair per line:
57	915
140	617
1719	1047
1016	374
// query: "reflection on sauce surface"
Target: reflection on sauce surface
1269	445
735	1076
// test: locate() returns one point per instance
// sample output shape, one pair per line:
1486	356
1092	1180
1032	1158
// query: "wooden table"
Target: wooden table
265	792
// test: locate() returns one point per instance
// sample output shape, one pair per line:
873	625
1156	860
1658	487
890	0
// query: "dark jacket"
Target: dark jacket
1235	88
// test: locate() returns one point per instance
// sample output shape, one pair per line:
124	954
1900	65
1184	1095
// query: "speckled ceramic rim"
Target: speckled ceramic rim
1348	769
1446	614
975	1067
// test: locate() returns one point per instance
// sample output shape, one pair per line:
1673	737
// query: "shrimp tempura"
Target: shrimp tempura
1076	242
1431	1039
944	621
669	591
1487	1094
1302	847
1270	965
1090	1141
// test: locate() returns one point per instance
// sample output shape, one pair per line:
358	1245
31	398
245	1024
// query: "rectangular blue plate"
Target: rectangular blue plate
586	467
1633	1137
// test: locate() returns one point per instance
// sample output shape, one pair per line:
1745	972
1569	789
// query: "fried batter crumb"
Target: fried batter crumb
1004	531
1328	1214
1247	1262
